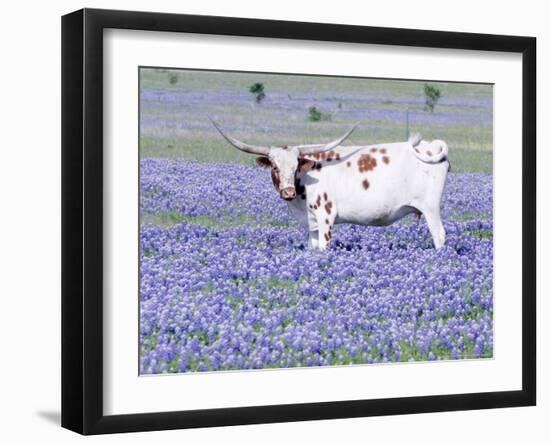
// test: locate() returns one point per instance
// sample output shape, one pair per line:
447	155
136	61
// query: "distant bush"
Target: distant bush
316	115
258	90
433	94
173	79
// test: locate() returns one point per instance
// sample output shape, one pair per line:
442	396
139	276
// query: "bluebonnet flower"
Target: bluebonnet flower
225	286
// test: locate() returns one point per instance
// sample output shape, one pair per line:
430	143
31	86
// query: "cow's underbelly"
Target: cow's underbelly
374	216
388	198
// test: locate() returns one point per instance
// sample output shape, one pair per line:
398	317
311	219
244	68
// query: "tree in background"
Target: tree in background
258	90
432	94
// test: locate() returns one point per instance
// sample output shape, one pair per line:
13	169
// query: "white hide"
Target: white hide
286	162
412	181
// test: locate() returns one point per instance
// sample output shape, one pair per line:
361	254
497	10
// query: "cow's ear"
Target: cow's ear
263	162
304	164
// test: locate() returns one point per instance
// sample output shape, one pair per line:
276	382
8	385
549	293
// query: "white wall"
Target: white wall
30	220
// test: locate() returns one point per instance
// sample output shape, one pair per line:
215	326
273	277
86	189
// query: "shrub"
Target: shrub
433	94
258	90
316	115
173	79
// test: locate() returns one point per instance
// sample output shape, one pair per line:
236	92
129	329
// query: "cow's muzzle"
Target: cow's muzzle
288	193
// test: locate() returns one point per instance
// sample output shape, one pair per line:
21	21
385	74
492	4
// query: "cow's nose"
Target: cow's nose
288	193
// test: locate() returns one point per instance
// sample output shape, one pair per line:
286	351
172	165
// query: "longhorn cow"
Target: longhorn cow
374	185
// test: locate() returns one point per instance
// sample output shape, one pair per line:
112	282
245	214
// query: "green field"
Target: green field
175	104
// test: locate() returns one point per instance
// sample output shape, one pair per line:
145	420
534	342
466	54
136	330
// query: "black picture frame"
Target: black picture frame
82	218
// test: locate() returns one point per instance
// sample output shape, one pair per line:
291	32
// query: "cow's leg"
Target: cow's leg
313	239
325	220
324	238
435	226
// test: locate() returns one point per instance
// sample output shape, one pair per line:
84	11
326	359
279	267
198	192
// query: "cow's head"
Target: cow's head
284	161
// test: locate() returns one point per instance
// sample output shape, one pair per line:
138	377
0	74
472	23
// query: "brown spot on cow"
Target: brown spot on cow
429	153
337	156
304	164
328	207
318	200
383	151
264	162
366	163
386	159
373	149
276	179
349	164
326	221
327	237
366	184
417	151
325	196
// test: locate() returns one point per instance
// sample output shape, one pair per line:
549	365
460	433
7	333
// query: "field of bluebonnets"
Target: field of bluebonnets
226	279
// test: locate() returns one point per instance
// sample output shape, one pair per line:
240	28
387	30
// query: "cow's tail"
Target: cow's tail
429	152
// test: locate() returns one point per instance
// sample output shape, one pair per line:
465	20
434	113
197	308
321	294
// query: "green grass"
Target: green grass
481	233
471	160
212	80
209	150
169	218
180	129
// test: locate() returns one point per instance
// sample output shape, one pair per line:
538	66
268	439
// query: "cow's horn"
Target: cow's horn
260	150
315	149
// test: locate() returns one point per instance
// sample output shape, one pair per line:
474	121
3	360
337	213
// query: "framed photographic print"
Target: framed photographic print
270	221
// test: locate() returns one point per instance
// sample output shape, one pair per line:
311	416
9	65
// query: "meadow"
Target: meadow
226	279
